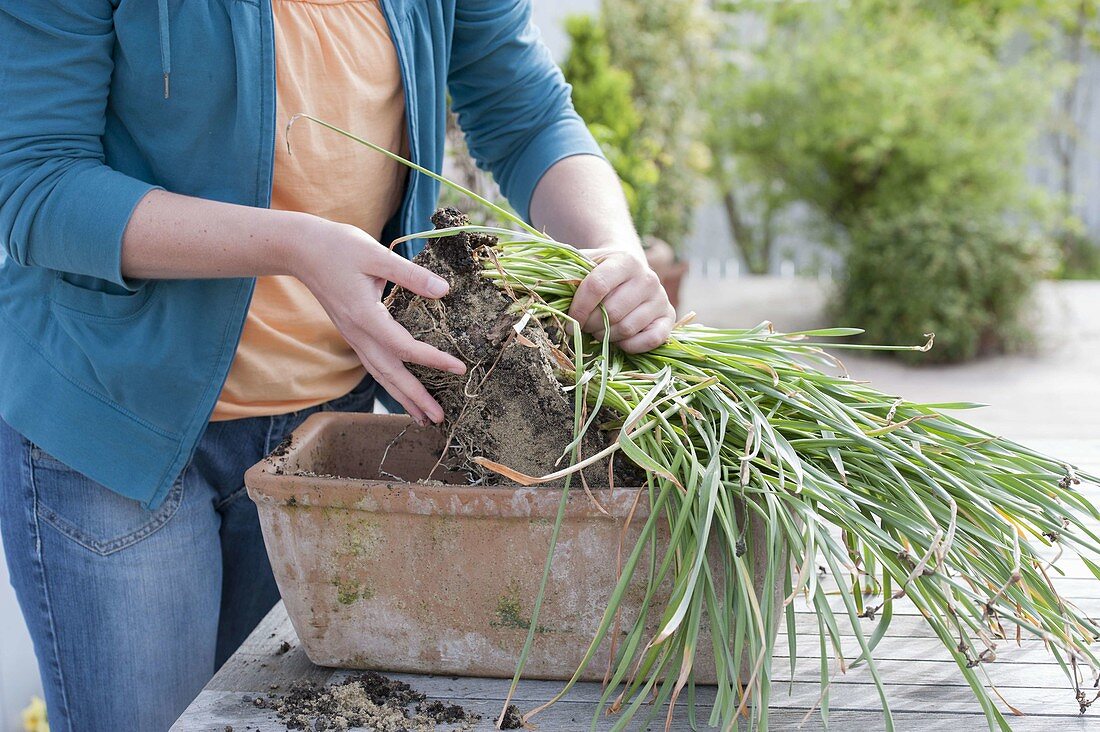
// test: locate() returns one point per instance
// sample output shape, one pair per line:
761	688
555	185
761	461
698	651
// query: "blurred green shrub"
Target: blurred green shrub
1080	255
857	113
907	136
965	278
603	96
664	46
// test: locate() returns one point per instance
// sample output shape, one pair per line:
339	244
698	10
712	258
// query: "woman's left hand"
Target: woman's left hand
638	309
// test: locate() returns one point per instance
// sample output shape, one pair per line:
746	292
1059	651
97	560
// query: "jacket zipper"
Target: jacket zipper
410	114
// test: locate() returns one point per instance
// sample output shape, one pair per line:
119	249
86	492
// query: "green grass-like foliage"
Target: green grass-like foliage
881	493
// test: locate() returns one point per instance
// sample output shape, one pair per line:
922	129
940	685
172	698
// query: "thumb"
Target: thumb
409	275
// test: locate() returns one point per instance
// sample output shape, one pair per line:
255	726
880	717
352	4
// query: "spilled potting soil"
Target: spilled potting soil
365	701
512	718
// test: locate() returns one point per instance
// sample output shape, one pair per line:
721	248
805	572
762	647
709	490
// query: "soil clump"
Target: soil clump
510	406
365	701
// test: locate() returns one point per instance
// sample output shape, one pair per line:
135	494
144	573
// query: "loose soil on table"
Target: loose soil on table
509	406
512	718
368	701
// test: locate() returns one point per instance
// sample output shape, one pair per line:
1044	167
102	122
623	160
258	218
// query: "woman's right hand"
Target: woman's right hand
346	270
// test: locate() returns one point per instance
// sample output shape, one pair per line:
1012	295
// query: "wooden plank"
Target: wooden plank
905	624
938	672
939	692
914	695
212	711
900	649
261	663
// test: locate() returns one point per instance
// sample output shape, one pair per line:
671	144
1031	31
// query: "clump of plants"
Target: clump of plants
733	426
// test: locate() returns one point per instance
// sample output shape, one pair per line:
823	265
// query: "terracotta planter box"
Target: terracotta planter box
381	572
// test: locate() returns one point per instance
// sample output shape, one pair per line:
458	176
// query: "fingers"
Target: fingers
400	271
623	301
599	283
621	283
637	320
654	335
389	371
348	281
394	339
385	349
410	406
637	307
403	399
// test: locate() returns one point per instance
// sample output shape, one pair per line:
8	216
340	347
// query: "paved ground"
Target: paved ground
1053	393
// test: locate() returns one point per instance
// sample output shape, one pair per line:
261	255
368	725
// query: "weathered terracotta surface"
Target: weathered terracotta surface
381	572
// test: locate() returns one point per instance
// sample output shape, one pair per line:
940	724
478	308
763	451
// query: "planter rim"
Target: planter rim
278	479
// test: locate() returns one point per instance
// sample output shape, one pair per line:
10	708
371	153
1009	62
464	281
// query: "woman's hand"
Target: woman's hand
346	270
580	200
638	309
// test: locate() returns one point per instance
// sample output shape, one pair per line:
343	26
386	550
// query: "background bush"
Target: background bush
906	134
966	278
664	46
603	96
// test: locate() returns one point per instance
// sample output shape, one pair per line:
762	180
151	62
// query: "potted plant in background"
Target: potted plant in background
632	69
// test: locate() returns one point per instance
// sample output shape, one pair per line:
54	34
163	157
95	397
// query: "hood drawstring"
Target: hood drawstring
165	43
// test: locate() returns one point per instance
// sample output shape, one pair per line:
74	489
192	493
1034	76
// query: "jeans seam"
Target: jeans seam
40	567
230	498
267	438
105	548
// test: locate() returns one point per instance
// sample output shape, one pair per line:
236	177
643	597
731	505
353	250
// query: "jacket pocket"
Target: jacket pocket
90	514
98	299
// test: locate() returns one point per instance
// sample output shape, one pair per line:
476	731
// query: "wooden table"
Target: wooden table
923	685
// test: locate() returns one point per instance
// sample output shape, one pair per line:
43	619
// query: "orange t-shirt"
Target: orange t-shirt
335	60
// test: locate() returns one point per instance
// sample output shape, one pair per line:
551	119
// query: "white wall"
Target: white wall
550	16
18	669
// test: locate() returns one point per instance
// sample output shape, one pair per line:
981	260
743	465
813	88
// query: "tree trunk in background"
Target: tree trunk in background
1067	135
755	248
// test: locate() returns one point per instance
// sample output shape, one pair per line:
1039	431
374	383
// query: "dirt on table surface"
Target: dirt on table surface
364	701
510	406
512	718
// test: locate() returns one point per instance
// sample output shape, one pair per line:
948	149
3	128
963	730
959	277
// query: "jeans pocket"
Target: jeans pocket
88	512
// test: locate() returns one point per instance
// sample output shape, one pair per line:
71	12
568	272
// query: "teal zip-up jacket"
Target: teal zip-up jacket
104	100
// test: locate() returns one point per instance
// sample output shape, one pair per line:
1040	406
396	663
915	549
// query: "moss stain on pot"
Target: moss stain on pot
444	531
349	591
510	613
361	539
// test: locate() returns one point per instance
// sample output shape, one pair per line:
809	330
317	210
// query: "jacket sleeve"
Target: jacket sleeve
61	206
511	99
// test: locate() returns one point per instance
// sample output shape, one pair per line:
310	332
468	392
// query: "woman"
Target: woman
179	292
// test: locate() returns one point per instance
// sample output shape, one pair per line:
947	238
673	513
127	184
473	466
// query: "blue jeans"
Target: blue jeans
132	611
